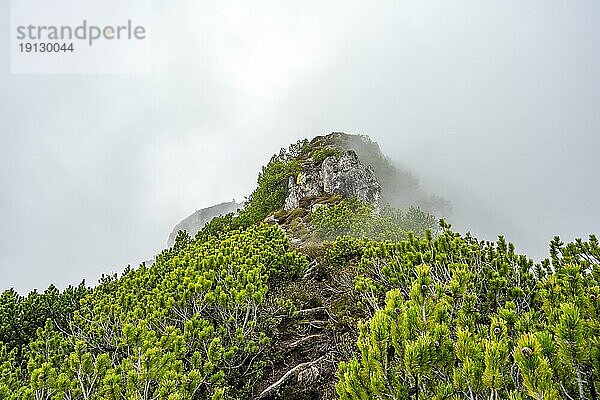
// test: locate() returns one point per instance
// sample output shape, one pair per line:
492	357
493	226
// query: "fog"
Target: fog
493	105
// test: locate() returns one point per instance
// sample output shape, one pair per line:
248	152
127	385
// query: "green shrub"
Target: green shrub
356	218
320	155
188	327
468	319
271	190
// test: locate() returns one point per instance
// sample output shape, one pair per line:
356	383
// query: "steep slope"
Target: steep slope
316	289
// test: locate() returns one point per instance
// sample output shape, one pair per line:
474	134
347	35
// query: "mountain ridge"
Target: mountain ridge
196	221
337	298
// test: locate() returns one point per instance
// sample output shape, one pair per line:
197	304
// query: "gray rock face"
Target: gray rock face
347	176
344	175
308	183
197	220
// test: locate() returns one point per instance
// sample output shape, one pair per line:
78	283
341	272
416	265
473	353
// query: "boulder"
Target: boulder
344	175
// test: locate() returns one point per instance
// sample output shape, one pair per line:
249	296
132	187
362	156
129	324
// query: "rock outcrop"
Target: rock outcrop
198	219
344	175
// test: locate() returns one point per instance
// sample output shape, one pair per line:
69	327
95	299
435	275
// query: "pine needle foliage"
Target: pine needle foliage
454	318
188	327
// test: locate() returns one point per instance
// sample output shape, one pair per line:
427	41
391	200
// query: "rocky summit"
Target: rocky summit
311	290
343	174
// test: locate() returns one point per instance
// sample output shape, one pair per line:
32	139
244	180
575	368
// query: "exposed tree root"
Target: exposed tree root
271	390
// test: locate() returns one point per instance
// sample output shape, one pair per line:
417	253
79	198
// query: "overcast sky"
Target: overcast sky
493	104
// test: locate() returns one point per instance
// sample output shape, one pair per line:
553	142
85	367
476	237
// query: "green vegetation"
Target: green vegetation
320	155
466	319
367	304
21	316
270	192
400	188
355	218
190	326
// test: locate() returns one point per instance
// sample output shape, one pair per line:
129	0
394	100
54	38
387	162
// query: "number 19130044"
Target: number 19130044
46	47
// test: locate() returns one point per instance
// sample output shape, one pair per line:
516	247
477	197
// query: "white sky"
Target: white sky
495	105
